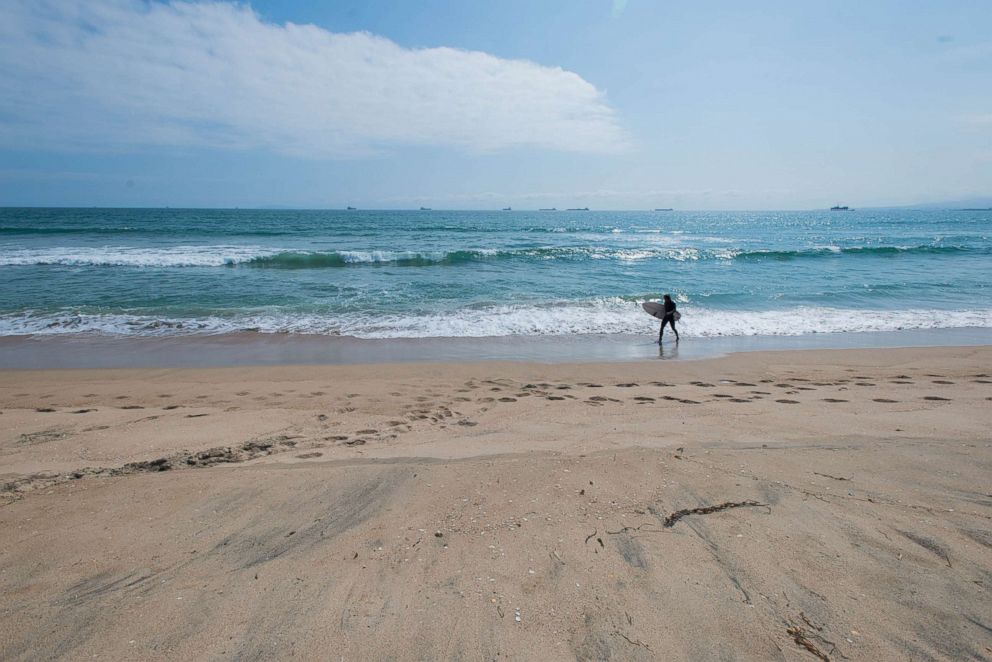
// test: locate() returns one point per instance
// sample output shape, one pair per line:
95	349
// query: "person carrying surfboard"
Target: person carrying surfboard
671	314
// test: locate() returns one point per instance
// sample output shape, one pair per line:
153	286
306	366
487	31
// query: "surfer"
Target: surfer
669	318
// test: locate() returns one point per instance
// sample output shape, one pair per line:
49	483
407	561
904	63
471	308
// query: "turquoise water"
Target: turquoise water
392	274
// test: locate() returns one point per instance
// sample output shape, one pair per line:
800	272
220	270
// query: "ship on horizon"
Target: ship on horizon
548	209
664	209
578	209
840	208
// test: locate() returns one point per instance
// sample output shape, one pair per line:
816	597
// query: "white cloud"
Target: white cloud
112	74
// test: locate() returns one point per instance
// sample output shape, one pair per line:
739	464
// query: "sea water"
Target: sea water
440	274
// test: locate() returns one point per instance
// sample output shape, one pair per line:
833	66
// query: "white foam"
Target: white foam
127	256
600	316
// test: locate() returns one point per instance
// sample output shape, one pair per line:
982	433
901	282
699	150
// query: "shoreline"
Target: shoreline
254	349
768	504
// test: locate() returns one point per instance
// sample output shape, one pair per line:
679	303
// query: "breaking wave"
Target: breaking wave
275	258
598	316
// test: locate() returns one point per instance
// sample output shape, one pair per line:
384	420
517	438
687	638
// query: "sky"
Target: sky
464	104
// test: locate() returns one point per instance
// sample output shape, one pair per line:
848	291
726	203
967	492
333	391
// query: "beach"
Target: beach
820	504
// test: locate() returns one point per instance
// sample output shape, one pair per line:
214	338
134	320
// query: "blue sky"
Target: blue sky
611	105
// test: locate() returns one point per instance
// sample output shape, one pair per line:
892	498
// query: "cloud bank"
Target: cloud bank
115	74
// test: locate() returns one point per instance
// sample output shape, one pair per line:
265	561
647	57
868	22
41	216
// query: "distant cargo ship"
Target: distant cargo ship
425	209
507	209
578	209
352	209
664	209
548	209
839	208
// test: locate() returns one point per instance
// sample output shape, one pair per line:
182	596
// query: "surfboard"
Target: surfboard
655	309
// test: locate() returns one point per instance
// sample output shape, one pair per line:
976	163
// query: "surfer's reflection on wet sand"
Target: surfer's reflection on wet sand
673	352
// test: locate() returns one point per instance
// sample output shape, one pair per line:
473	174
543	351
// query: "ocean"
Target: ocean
488	274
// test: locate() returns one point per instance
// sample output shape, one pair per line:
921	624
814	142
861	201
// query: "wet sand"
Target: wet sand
780	505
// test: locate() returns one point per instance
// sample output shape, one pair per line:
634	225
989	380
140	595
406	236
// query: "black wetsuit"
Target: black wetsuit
669	318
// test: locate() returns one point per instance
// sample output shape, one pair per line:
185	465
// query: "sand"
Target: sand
792	506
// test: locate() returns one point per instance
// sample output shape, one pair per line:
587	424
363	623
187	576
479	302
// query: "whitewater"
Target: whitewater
437	274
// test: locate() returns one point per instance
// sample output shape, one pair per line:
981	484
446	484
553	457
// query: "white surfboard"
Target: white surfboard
657	310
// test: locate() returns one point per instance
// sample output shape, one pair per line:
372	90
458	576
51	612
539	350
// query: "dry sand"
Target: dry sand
503	511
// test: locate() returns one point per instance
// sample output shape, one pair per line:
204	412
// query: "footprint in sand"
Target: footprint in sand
788	402
196	415
863	384
901	381
307	456
661	384
367	432
883	400
744	384
784	385
507	399
171	407
467	423
682	400
45	410
627	385
702	384
738	400
83	411
936	397
644	398
165	395
983	381
486	400
941	381
761	392
555	397
122	397
835	400
243	393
